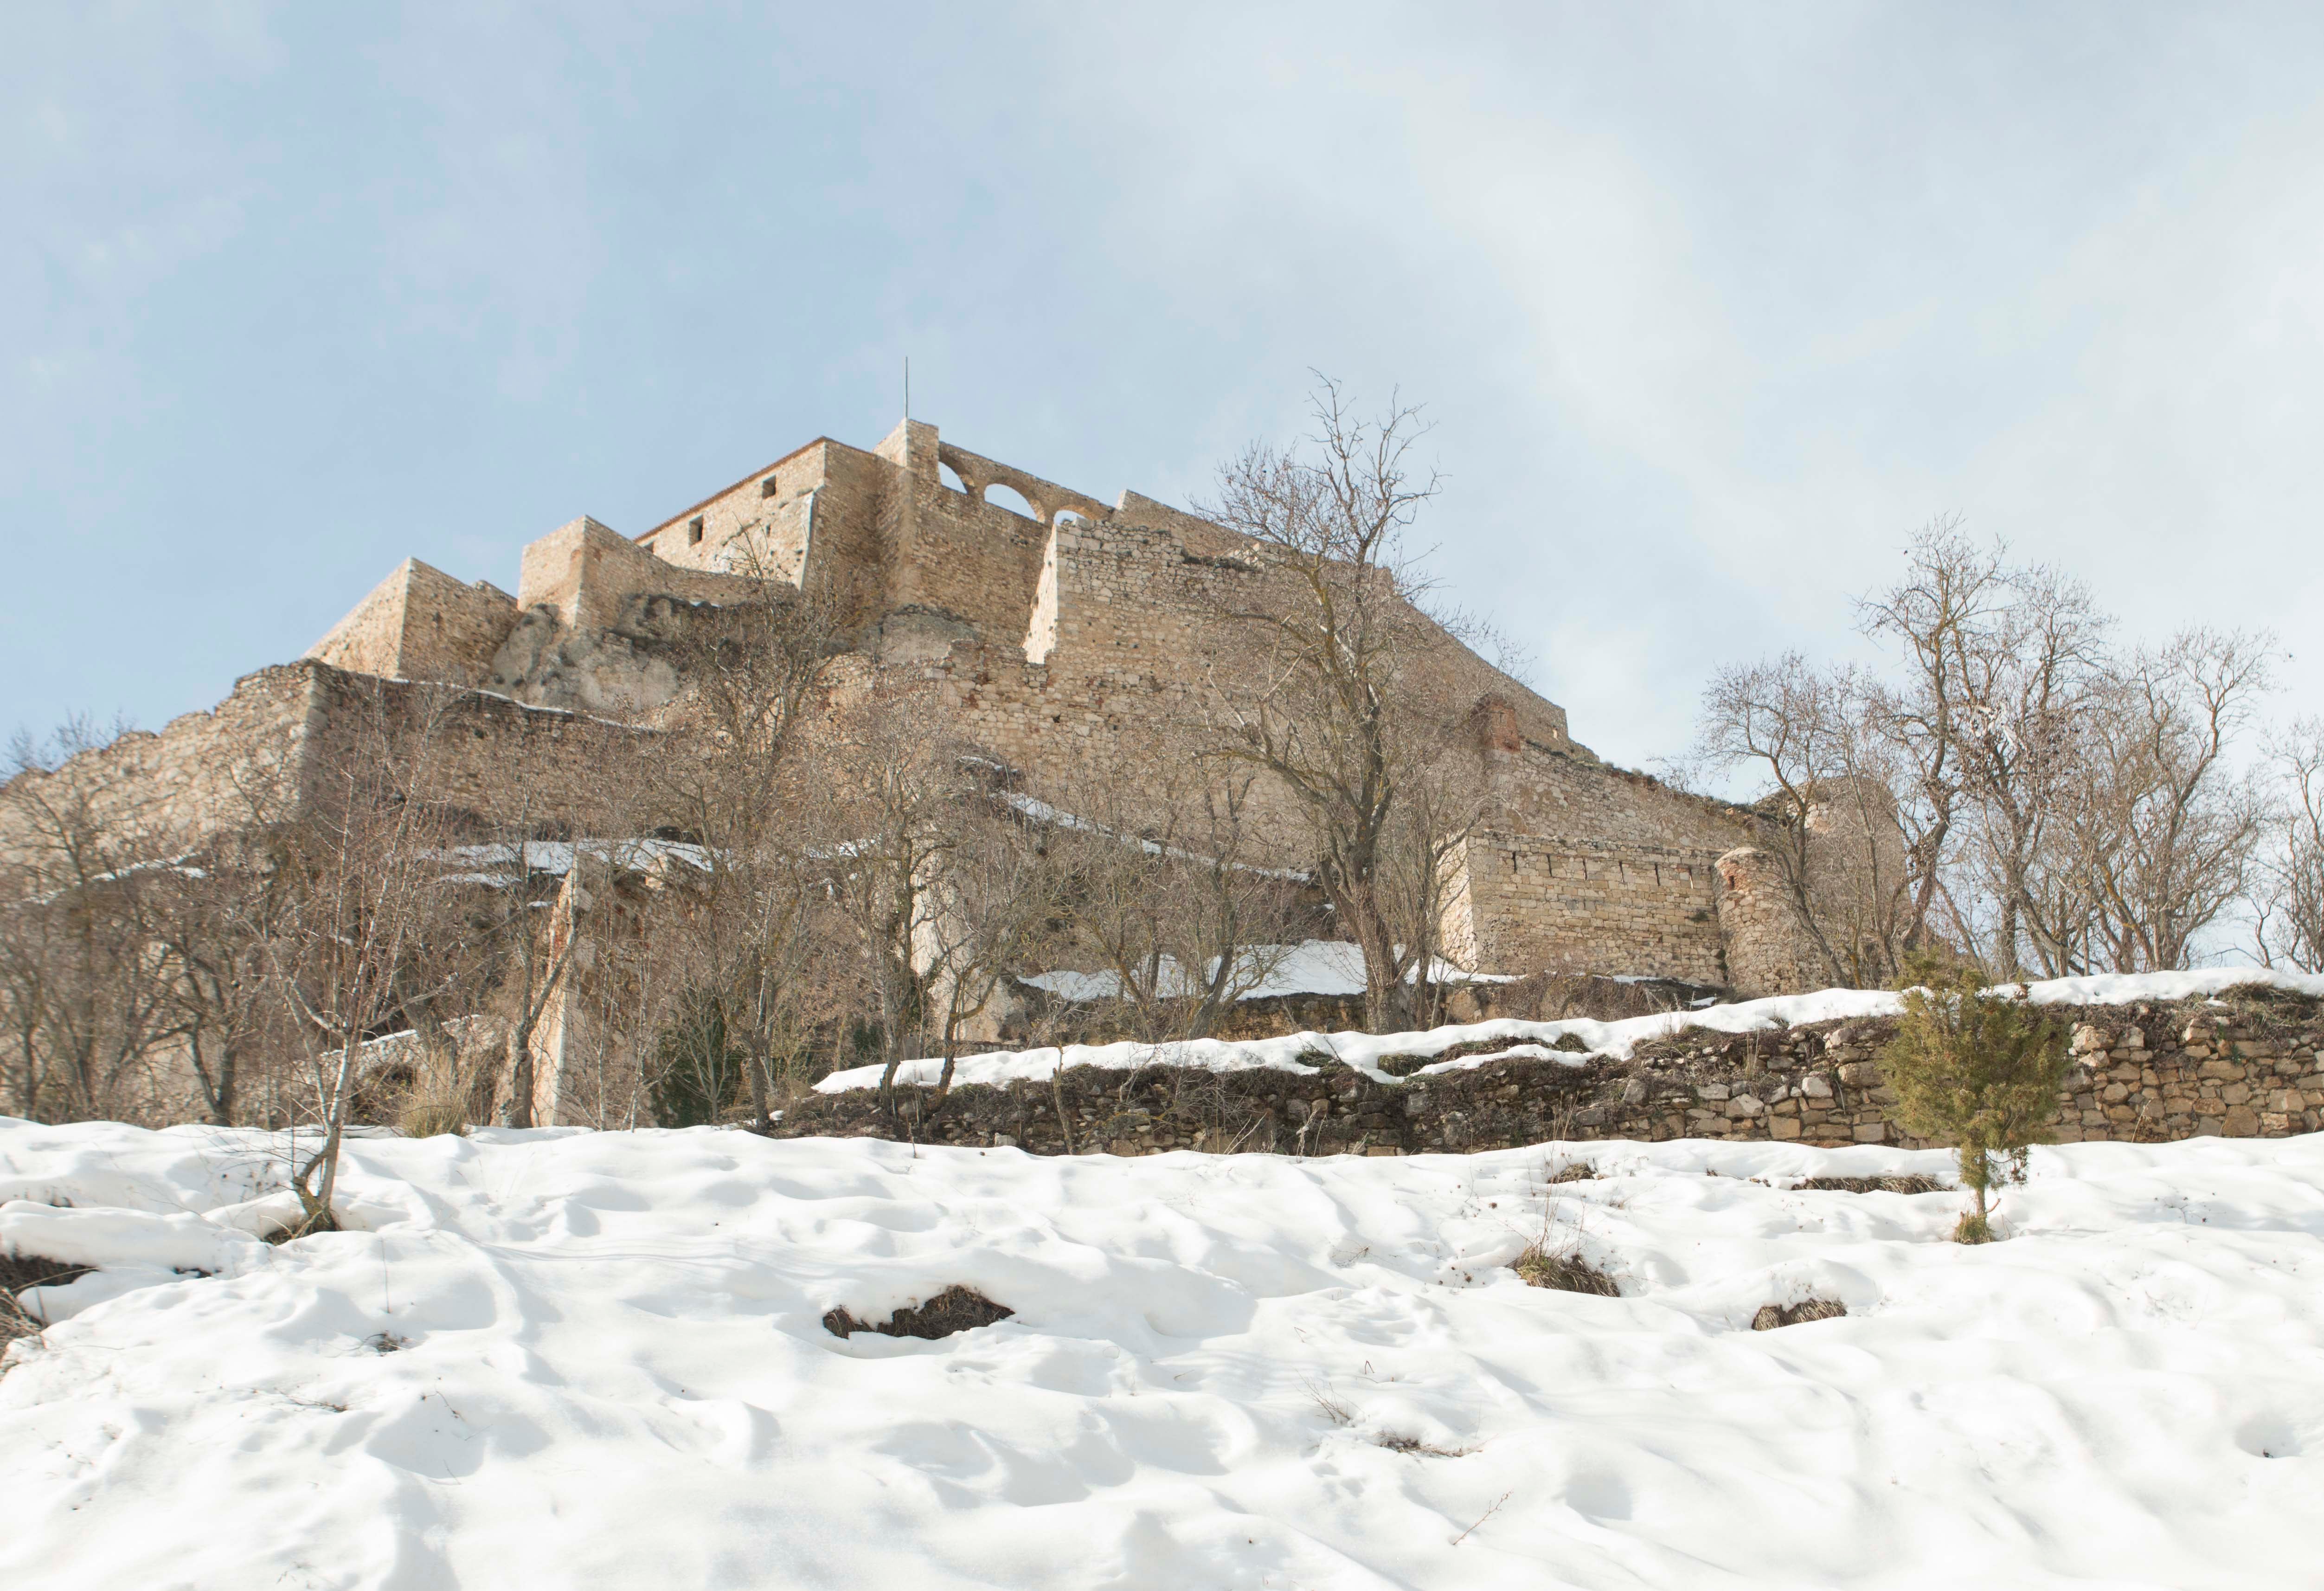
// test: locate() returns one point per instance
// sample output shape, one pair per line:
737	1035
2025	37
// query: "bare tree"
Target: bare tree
2002	665
1441	799
2061	808
2291	919
994	902
1932	616
1327	701
1167	889
527	922
737	780
368	903
86	995
2166	826
893	783
1811	732
212	920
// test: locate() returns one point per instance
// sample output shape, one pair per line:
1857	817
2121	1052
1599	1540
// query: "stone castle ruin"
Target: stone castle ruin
1043	635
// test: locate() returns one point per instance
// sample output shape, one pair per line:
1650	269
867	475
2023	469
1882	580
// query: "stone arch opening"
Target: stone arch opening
1001	494
948	476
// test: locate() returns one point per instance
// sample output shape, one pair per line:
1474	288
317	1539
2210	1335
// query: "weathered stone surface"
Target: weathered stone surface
1652	1096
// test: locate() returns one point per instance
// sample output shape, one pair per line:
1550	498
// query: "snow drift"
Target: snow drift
563	1359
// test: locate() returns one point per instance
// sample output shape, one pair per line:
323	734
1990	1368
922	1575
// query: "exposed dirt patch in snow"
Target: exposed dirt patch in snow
954	1309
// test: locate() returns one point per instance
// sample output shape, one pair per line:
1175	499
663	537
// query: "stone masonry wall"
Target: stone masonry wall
420	624
490	757
587	573
768	509
240	762
1557	905
2249	1066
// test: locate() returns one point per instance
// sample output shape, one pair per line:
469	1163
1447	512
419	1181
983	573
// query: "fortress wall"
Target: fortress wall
1542	791
1200	536
977	560
370	638
1140	624
849	561
276	741
585	572
1135	598
450	628
1542	905
482	755
239	763
768	508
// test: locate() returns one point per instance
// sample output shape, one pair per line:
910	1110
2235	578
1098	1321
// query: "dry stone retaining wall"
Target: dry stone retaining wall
2248	1067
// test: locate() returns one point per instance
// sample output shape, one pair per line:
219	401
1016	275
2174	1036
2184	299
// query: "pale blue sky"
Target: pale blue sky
1711	306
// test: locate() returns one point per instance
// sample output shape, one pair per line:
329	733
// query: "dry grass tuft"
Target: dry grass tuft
1566	1272
955	1308
1771	1316
1871	1185
433	1114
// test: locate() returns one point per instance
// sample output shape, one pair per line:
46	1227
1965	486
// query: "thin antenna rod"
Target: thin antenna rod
907	386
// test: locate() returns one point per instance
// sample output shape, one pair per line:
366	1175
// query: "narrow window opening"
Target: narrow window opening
694	531
768	487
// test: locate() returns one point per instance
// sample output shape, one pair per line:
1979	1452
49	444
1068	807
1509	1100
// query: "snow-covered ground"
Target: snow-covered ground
1364	1051
565	1359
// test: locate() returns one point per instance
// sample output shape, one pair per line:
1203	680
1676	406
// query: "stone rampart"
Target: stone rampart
239	763
1553	904
585	574
420	624
279	743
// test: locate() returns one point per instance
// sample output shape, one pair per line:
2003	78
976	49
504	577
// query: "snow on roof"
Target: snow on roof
1618	1040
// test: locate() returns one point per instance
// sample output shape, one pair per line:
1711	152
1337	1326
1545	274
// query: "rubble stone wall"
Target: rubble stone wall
2247	1067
